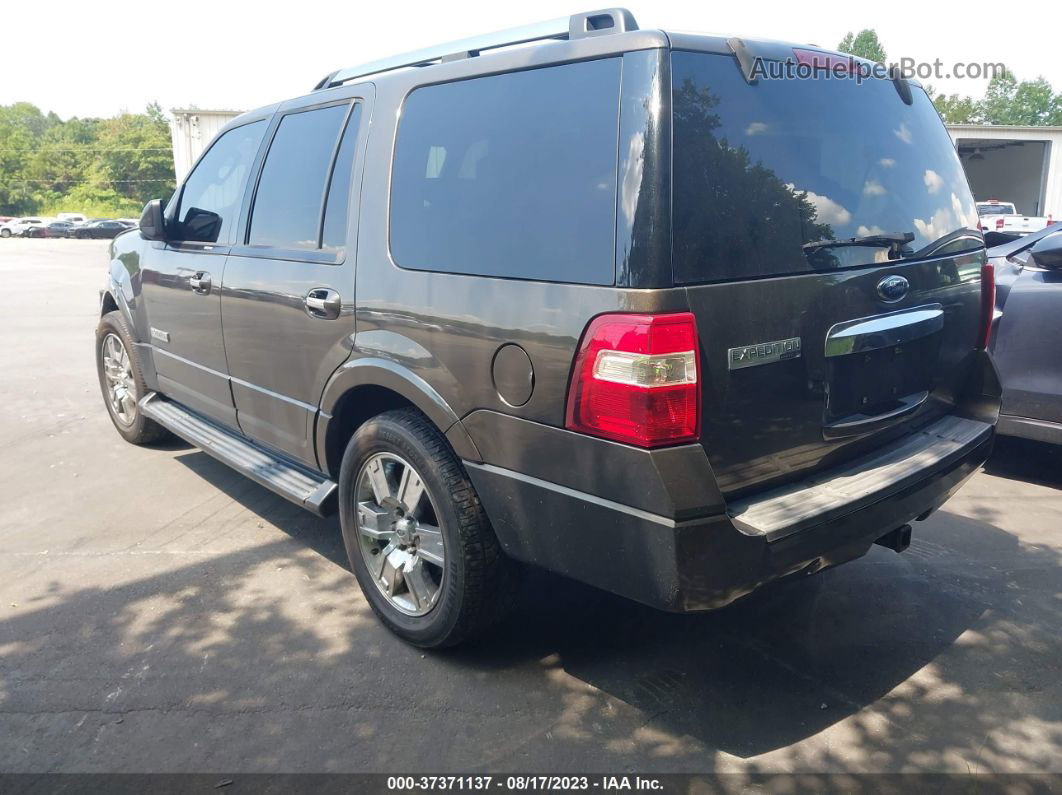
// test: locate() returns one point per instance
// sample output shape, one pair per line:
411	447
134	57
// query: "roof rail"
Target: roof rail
578	26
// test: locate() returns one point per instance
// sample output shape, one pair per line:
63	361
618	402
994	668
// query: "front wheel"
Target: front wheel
121	381
5	233
417	537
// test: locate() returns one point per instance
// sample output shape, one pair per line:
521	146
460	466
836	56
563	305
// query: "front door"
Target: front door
181	284
287	301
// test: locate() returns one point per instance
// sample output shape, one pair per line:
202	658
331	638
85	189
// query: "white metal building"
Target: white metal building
191	130
1018	164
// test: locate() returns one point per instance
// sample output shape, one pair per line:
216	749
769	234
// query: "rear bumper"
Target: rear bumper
704	563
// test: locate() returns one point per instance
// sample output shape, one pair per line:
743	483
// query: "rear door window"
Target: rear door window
291	189
761	170
510	175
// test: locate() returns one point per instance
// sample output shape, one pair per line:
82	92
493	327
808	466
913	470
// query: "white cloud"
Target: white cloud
967	215
933	180
827	210
904	133
755	128
874	188
942	223
887	162
866	231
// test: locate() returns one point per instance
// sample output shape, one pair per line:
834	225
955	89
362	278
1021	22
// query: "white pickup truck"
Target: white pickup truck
997	216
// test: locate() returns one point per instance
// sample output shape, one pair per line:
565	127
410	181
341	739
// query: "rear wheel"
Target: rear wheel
121	381
5	233
416	535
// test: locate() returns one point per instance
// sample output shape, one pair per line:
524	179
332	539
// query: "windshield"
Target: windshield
762	169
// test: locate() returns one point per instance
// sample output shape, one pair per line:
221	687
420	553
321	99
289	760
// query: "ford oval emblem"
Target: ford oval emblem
893	288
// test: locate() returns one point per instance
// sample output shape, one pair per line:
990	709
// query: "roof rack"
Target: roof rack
577	26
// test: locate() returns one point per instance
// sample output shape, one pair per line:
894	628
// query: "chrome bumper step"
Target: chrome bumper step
290	480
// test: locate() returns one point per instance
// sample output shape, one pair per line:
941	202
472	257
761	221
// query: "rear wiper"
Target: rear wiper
894	241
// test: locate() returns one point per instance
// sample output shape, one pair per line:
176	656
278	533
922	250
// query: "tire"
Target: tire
134	427
5	233
475	582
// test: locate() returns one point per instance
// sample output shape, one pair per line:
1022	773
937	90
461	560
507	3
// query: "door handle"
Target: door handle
323	303
200	282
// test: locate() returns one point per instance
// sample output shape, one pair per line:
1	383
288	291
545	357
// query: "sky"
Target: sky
103	58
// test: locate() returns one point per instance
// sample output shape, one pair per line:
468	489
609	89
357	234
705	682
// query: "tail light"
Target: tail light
635	380
999	224
988	304
1050	220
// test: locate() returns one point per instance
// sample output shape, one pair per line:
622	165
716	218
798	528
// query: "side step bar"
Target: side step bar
312	490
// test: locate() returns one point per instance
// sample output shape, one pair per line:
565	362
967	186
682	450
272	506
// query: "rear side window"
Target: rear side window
287	204
510	175
334	233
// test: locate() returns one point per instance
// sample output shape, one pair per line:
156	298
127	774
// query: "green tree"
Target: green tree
953	108
864	44
728	207
135	155
21	127
1029	102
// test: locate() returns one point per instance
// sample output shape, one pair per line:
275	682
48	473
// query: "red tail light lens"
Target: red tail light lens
988	304
999	223
635	380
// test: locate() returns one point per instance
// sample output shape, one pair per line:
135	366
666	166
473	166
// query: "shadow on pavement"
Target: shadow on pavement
1023	459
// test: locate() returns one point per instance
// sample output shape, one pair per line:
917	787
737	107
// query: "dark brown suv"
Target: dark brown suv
624	304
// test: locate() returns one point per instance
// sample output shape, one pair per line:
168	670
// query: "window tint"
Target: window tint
210	199
760	170
510	175
287	205
334	236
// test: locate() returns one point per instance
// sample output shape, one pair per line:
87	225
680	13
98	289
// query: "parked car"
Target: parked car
18	227
73	218
1027	325
616	308
51	229
1002	217
100	229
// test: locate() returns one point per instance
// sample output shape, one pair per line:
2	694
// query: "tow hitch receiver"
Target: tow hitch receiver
897	540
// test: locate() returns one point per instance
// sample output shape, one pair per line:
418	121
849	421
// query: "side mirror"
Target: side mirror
152	224
1047	253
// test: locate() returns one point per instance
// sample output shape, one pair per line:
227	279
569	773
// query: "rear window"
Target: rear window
995	209
762	169
510	175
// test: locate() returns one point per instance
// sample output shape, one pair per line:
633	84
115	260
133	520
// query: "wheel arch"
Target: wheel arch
362	389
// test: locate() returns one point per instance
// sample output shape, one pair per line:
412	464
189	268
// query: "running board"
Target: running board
312	490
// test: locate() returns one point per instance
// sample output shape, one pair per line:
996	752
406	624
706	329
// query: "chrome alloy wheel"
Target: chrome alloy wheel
118	370
399	534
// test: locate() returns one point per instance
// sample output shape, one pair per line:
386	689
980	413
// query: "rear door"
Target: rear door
287	303
182	278
814	354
